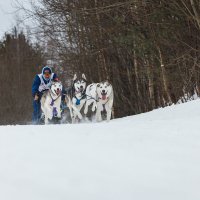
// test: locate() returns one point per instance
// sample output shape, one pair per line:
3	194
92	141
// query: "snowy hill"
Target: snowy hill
151	156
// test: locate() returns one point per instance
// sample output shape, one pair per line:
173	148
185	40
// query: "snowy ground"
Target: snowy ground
152	156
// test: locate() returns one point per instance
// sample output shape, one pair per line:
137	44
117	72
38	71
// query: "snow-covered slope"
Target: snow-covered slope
151	156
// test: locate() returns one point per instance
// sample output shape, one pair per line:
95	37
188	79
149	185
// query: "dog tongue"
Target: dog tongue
103	97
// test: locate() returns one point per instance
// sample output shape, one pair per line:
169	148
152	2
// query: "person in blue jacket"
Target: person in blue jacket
41	83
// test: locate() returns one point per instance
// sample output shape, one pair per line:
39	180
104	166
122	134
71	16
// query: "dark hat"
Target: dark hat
46	68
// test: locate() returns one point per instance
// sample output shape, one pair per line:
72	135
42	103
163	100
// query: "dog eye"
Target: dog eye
98	85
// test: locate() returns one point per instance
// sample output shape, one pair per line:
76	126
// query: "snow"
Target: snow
154	156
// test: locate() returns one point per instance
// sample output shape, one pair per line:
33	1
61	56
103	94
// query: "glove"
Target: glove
56	79
36	97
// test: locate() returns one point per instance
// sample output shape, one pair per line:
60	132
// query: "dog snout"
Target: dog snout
81	87
103	91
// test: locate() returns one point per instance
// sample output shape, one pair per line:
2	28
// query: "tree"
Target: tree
19	63
149	50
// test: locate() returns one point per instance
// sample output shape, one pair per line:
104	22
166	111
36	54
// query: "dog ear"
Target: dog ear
107	83
84	77
52	83
75	77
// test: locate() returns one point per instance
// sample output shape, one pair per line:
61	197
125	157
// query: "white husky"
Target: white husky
51	101
101	96
76	97
91	97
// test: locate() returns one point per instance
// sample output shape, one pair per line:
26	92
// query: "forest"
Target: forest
147	49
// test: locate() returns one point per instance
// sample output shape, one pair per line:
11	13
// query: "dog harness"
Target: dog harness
43	86
55	112
78	101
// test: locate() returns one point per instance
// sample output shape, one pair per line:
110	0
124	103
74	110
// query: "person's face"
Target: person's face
47	74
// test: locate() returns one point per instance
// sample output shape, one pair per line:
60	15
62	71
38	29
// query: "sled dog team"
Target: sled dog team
79	97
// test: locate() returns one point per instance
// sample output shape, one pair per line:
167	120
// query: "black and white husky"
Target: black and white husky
51	102
101	96
76	97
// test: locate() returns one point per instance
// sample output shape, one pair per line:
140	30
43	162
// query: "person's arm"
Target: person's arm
35	87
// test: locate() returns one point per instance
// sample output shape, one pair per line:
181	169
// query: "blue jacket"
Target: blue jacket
37	82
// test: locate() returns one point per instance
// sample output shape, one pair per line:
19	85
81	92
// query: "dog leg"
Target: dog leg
69	104
77	112
86	107
98	114
59	115
46	119
108	114
94	106
49	114
74	115
45	116
73	120
71	113
109	110
88	103
58	112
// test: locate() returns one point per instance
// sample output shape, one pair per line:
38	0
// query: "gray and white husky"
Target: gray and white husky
100	96
51	101
76	97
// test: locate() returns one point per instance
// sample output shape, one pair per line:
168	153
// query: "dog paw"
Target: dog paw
85	111
93	108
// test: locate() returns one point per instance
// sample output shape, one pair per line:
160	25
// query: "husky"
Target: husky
91	97
100	95
51	102
76	97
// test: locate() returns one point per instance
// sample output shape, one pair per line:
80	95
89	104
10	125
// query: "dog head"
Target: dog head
79	84
104	89
56	88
